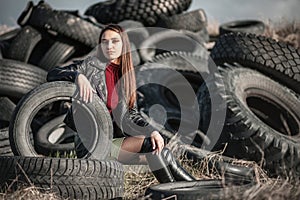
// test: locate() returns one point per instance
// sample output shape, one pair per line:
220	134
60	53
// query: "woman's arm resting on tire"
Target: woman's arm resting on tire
74	73
85	88
66	73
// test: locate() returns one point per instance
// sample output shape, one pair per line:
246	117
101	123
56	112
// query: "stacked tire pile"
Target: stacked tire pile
258	77
257	86
261	82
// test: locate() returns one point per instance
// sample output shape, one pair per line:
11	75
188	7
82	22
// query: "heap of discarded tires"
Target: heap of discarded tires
246	96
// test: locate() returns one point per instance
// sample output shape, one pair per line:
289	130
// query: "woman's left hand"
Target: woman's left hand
157	142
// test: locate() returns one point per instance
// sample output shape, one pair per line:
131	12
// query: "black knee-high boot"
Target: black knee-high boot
156	163
160	170
178	172
164	166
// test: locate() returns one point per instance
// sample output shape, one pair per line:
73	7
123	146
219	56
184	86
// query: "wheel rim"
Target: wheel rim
34	122
272	112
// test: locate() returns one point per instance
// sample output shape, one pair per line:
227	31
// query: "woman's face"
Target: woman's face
111	45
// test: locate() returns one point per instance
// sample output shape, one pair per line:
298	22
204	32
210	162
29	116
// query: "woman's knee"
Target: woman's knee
133	144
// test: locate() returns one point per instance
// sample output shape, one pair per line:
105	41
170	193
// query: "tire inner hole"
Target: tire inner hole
274	115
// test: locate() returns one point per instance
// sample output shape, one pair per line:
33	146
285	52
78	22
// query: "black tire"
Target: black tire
58	53
169	40
201	36
160	71
53	51
136	31
68	24
275	59
173	120
68	178
201	189
55	136
167	86
7	108
245	26
136	60
23	44
5	40
224	165
147	12
261	114
212	108
9	35
194	21
5	149
38	106
18	78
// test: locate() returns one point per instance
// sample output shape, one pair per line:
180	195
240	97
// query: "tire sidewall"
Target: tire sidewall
40	96
239	80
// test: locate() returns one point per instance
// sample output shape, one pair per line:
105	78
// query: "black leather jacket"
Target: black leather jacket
129	121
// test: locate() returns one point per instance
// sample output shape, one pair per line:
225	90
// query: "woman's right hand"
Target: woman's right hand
85	89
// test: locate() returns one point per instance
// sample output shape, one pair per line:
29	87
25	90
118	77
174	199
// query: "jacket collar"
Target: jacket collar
95	62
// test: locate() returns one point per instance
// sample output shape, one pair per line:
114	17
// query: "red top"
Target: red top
112	76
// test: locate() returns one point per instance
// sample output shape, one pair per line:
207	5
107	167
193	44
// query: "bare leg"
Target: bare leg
129	153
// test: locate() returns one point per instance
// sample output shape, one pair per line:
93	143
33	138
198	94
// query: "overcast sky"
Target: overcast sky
219	10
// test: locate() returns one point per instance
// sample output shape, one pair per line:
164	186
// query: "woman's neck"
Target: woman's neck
115	61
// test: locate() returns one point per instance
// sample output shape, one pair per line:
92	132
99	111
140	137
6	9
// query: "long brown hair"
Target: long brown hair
128	75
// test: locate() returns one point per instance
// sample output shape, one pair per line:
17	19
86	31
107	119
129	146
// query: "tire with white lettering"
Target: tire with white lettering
68	178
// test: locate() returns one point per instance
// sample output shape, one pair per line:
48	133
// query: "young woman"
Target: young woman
114	82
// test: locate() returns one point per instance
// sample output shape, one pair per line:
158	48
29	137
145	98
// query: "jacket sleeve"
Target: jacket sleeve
137	123
67	73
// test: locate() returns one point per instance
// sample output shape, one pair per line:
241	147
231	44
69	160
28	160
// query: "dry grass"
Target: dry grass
288	32
284	31
32	193
20	190
213	28
138	178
